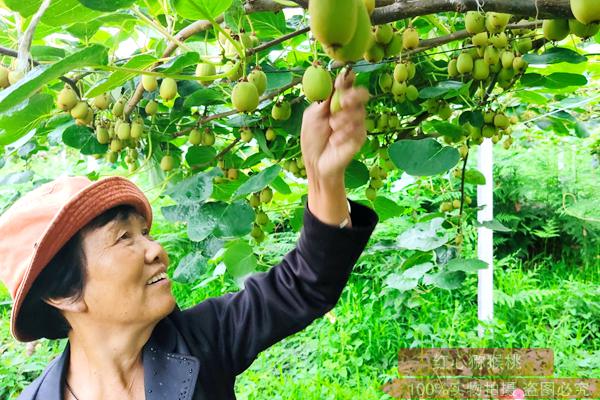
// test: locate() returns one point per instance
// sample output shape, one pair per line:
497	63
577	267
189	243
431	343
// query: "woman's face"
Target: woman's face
122	262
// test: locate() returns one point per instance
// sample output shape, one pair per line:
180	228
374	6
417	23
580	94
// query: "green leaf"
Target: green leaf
276	78
179	212
268	25
44	74
424	236
60	12
356	175
19	121
555	55
204	97
531	97
557	80
206	219
200	156
423	157
47	53
475	118
279	185
386	208
201	9
236	220
474	177
447	129
259	181
401	283
180	62
239	259
442	89
233	16
194	190
118	78
468	266
106	5
84	139
190	267
16	178
418	271
493	225
448	280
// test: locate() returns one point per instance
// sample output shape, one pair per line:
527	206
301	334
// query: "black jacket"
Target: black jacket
197	353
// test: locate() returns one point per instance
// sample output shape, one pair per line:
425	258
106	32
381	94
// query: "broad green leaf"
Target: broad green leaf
469	266
201	156
261	139
448	280
356	175
179	212
531	97
418	271
47	53
446	129
386	208
268	25
59	13
442	89
106	5
475	118
204	97
259	181
239	259
279	185
474	177
236	220
424	236
206	219
194	190
84	139
253	160
557	80
16	178
493	225
555	55
44	74
190	268
180	62
401	282
20	120
118	78
423	157
201	9
234	15
276	78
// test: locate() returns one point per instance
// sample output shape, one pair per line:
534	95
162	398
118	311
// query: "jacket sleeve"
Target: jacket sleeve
230	331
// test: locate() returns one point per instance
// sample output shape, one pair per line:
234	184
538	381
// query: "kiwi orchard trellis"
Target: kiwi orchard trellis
385	11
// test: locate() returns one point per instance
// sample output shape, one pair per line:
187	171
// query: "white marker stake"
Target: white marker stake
485	244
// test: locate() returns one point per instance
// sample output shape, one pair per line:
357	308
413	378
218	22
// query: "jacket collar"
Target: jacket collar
169	371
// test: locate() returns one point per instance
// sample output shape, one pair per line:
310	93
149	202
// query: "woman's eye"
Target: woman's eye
124	236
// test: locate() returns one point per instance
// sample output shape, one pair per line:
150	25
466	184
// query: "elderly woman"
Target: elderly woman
79	262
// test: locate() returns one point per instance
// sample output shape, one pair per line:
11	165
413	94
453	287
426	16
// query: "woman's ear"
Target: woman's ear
68	304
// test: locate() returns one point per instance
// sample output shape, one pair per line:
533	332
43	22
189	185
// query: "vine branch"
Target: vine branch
24	54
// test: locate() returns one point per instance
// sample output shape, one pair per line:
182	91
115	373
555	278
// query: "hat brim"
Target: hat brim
82	208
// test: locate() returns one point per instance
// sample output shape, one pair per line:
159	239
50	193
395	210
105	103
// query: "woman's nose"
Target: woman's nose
155	253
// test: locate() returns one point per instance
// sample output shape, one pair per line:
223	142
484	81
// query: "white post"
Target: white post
485	244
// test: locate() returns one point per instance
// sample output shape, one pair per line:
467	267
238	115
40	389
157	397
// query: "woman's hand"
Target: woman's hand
329	142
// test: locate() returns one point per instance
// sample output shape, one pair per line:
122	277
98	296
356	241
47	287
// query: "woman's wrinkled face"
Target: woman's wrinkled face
126	280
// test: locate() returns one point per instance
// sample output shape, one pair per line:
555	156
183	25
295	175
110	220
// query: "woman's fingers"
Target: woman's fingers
355	98
345	80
